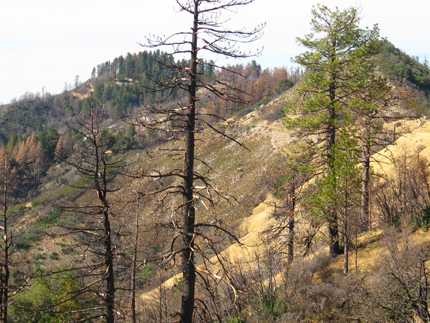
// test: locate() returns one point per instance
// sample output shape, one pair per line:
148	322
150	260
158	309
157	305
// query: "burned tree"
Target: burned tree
10	268
377	103
291	188
186	120
92	158
6	243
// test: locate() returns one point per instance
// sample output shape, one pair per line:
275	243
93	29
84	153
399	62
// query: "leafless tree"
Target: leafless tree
292	188
186	120
94	161
403	289
6	243
377	102
10	237
405	191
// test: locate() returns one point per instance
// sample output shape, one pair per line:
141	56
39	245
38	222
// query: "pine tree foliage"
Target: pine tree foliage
339	66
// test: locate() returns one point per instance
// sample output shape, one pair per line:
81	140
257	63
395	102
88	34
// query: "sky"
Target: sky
44	44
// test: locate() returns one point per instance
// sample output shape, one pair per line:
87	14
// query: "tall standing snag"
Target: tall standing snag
94	161
8	217
6	245
187	120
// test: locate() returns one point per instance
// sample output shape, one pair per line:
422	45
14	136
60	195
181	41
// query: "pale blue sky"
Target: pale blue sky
45	43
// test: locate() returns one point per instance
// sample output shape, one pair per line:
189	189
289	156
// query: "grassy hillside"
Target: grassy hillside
398	66
244	273
266	286
313	288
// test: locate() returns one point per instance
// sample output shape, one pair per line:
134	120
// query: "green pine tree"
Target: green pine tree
338	65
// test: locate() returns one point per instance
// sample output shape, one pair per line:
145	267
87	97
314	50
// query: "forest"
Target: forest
168	189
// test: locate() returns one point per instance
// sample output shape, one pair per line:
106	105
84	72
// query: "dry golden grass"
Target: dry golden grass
417	139
251	228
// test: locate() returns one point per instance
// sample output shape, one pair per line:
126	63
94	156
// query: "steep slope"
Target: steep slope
396	64
245	176
415	137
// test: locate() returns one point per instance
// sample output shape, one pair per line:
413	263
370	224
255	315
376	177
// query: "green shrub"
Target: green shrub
237	318
147	272
39	256
262	101
421	220
283	85
67	250
18	208
49	219
24	241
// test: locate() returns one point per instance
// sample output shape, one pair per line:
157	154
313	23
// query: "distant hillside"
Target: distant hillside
115	84
125	84
397	65
23	116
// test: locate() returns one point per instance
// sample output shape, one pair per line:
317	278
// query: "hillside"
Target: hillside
262	261
249	214
244	270
398	65
118	84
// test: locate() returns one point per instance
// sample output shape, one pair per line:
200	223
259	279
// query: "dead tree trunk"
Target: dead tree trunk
188	266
